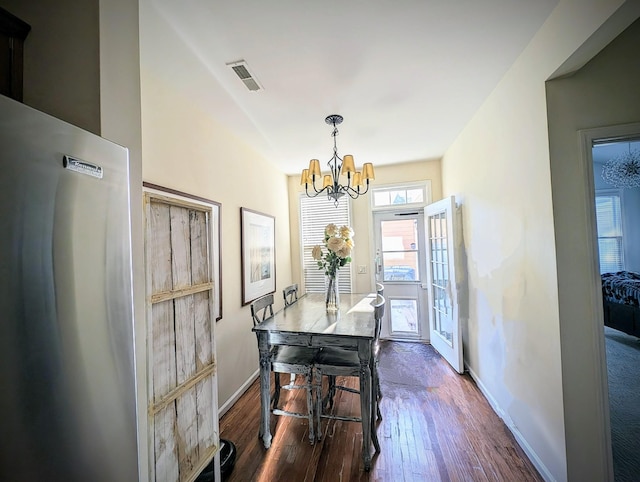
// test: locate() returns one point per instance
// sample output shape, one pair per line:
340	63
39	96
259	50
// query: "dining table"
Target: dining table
308	323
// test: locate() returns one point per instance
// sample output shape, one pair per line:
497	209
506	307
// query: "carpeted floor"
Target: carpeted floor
623	364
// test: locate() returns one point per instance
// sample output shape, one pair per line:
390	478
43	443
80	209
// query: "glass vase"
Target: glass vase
333	294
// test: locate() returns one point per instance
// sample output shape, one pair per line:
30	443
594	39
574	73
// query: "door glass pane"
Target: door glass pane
441	308
400	266
415	195
400	250
404	315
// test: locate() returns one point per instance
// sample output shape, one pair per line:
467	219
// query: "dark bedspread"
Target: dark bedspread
622	287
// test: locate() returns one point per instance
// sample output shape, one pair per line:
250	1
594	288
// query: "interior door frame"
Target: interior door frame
587	137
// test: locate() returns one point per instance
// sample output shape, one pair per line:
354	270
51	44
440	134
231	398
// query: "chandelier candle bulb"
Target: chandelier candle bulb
354	186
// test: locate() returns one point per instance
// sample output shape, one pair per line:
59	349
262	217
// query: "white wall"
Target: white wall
499	169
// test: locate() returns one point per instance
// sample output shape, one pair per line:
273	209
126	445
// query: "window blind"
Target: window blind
315	214
609	225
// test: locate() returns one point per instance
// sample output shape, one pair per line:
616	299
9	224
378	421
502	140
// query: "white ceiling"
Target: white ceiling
407	75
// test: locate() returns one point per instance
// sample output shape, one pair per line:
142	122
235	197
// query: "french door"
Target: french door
400	267
444	322
415	261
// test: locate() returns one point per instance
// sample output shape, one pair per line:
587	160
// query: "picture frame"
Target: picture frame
258	254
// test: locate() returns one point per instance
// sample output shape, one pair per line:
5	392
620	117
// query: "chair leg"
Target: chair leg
332	391
310	411
319	402
276	392
374	434
378	393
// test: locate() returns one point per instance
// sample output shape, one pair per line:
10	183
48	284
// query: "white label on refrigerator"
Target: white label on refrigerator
82	167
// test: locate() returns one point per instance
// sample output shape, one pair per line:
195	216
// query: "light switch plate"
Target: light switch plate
362	269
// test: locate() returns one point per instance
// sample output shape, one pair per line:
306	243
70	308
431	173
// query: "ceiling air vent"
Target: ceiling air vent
241	69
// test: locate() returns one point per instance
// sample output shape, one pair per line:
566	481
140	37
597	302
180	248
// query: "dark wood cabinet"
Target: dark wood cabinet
13	32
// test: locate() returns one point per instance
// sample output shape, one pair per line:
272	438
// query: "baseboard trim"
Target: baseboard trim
524	445
237	394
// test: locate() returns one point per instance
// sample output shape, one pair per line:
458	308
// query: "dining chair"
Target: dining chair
287	359
290	294
380	291
334	362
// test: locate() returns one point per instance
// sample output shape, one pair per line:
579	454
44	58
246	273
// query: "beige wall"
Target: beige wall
187	150
61	58
361	218
499	169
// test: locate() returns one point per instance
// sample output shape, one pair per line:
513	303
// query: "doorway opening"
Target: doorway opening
617	212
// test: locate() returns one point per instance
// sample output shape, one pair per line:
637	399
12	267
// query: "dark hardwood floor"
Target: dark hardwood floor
436	426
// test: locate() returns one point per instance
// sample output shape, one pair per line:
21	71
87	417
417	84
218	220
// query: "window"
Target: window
609	225
315	214
415	194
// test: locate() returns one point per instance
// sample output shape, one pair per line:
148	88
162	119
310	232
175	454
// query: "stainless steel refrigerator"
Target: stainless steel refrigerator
67	379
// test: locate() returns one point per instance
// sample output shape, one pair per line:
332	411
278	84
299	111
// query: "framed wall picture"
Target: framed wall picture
258	256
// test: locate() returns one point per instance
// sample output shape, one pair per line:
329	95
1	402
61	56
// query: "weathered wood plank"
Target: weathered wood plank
205	412
185	338
187	433
203	330
164	349
179	293
199	247
170	397
159	246
165	449
180	247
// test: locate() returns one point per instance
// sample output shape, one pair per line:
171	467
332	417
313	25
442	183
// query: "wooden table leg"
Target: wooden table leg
364	353
265	389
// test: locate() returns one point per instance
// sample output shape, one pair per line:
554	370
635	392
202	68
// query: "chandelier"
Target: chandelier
355	185
624	170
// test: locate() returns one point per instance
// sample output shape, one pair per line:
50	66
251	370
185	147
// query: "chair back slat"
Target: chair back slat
262	309
290	294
